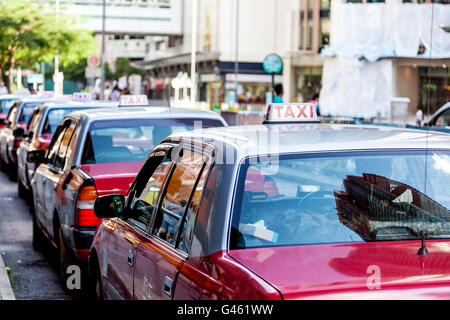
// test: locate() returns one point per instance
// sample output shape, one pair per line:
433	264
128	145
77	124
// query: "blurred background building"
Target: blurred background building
361	54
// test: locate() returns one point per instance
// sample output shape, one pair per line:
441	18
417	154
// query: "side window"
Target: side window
177	195
60	160
54	146
444	119
34	122
141	211
187	233
12	115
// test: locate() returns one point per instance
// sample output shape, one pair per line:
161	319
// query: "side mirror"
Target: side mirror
18	133
36	156
110	206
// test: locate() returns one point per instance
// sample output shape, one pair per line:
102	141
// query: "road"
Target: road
34	274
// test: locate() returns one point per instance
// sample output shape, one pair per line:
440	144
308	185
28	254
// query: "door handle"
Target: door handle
130	258
167	289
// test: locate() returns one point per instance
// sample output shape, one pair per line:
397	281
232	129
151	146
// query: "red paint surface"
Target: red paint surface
341	271
113	178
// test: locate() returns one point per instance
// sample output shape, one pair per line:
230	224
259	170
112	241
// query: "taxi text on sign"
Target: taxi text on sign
293	112
81	96
130	100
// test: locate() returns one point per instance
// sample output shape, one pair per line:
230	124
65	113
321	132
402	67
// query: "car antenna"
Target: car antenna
423	251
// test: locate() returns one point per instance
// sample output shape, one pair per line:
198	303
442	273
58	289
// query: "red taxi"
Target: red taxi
94	153
284	210
41	127
11	135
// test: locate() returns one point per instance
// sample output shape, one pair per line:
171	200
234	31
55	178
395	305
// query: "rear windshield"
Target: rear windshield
53	119
5	105
342	198
27	111
133	140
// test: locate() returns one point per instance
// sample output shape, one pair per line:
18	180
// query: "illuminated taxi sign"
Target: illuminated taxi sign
291	112
81	96
46	94
133	100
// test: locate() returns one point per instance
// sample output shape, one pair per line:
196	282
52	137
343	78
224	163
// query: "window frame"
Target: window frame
167	148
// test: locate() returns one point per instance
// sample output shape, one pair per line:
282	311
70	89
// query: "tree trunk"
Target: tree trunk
10	84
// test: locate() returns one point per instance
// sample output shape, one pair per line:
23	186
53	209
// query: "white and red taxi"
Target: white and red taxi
292	209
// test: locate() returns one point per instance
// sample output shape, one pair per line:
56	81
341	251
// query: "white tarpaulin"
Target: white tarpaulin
356	88
389	30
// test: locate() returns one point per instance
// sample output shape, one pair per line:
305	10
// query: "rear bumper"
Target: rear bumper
83	238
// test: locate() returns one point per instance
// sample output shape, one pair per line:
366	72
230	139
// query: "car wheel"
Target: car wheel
3	165
63	259
38	236
21	190
12	173
95	282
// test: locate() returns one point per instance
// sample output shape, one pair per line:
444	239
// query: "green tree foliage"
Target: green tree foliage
124	68
30	32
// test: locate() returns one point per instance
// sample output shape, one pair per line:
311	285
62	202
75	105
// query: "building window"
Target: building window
314	26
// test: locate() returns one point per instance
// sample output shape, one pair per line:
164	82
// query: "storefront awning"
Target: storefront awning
180	59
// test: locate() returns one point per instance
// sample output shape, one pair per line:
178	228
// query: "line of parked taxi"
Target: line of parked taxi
161	203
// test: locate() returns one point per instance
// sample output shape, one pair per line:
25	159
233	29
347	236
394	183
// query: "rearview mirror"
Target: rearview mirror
110	206
18	132
36	156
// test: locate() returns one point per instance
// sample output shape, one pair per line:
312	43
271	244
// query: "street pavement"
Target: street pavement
34	274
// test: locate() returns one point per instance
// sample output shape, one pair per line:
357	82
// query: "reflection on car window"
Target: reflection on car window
53	119
5	105
444	119
131	140
348	198
143	205
27	111
176	198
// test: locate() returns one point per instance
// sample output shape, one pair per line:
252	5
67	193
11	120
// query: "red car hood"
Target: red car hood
350	271
113	178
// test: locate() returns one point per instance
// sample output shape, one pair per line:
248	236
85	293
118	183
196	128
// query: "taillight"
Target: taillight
85	207
17	143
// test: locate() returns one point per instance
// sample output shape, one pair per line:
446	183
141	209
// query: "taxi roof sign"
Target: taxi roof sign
133	100
291	113
81	96
45	94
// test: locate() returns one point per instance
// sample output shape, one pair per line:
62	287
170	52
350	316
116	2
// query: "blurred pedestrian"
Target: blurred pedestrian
107	92
419	117
115	94
315	101
279	92
3	88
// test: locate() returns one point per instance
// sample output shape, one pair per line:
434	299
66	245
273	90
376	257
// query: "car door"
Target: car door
40	179
55	174
129	232
163	252
26	146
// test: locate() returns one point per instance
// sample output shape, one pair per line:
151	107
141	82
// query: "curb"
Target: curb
6	291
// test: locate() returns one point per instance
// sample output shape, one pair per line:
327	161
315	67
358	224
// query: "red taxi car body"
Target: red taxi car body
41	127
342	214
95	153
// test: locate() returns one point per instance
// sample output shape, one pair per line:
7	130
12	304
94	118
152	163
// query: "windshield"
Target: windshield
343	198
133	140
27	111
53	119
5	105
